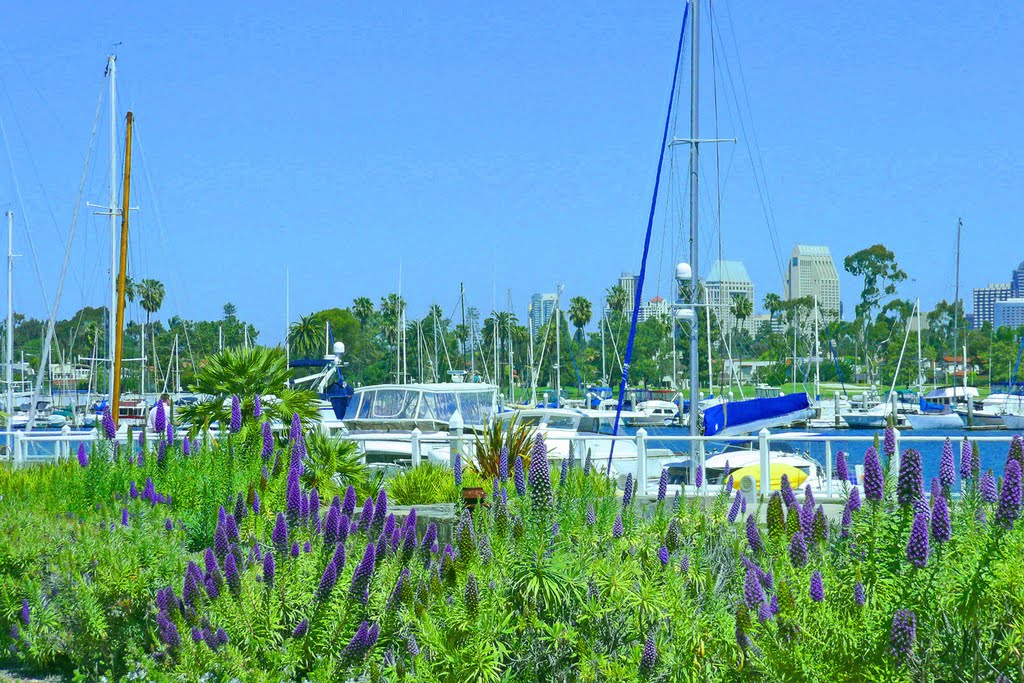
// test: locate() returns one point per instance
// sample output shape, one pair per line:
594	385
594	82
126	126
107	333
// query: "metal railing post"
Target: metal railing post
456	430
64	446
828	467
766	474
895	459
641	461
16	448
414	447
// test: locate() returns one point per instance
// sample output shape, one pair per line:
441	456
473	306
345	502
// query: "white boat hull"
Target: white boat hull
919	421
1014	422
864	421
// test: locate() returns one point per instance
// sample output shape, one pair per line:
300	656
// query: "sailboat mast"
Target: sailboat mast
111	342
558	348
956	314
10	319
817	355
115	396
694	201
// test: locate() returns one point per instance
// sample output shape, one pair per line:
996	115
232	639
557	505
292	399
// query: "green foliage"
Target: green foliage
511	434
428	484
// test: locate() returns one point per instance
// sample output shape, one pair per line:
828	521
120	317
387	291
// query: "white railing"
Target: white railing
25	448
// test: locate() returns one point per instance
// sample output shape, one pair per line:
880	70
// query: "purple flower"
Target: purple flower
1010	497
380	512
663	484
752	591
966	460
519	477
540	478
563	474
917	544
109	428
190	587
457	469
349	505
303	626
160	423
220	541
764	612
293	499
942	530
168	524
124	516
874	481
617	530
26	612
232	576
338	558
947	468
327	581
788	497
854	500
83	457
168	631
279	536
257	406
359	645
186	446
503	464
232	529
842	471
910	484
684	564
256	502
734	510
649	657
221	636
663	556
429	538
591	516
295	549
798	550
268	569
889	442
366	518
817	589
858	594
236	414
1016	451
268	442
699	479
754	535
627	491
170	432
142	438
902	635
987	487
360	587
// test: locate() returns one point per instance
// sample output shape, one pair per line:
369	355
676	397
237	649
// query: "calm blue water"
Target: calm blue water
993	454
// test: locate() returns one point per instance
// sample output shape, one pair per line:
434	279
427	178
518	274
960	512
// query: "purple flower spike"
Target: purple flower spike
142	438
817	589
503	464
663	556
947	468
124	516
133	490
268	569
268	442
380	511
295	549
942	530
168	524
858	594
889	442
236	414
591	516
327	581
754	535
699	480
457	469
232	576
649	657
663	484
109	428
26	612
735	509
540	477
788	497
842	470
280	534
966	460
257	406
917	544
160	422
170	432
798	550
359	589
874	481
301	629
752	591
910	484
366	518
902	635
854	501
83	456
221	544
987	487
1010	497
186	446
519	477
349	505
617	529
232	529
627	491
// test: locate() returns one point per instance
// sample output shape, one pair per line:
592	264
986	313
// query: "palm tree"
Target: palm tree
772	304
244	373
151	294
742	308
304	335
230	310
616	298
362	309
390	312
580	313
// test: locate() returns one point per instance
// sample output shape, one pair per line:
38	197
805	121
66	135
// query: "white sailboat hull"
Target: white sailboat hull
920	421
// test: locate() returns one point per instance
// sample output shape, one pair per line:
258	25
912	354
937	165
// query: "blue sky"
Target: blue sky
507	147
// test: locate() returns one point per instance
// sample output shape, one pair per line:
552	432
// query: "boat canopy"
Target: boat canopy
476	403
739	417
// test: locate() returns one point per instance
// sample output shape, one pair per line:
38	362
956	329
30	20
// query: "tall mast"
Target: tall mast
956	314
287	317
122	274
604	371
511	366
817	363
694	199
10	318
920	374
111	334
558	348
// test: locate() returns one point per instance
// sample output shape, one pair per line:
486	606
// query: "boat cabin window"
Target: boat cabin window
476	406
394	404
529	421
562	422
438	406
590	425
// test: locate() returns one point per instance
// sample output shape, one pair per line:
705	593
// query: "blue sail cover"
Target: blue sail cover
932	408
733	416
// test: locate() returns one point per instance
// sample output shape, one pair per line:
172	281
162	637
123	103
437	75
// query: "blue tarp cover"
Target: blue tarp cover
933	408
734	413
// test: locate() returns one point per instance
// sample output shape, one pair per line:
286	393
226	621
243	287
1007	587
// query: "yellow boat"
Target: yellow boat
795	474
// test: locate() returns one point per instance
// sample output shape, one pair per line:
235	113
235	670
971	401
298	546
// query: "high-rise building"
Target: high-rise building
812	272
727	281
1009	313
1017	281
628	282
985	300
542	307
652	308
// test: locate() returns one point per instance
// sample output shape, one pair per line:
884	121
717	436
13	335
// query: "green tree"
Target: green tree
742	308
304	335
580	313
362	307
230	311
615	298
772	304
881	273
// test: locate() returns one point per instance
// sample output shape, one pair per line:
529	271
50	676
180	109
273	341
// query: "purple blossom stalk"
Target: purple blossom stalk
380	511
168	524
987	487
268	442
429	539
910	484
133	490
221	544
160	422
257	406
519	477
663	556
854	500
684	564
236	414
874	481
256	502
902	635
231	574
295	549
503	464
268	569
663	484
186	446
649	657
627	491
366	517
83	456
917	544
279	536
170	432
753	594
142	438
754	535
302	628
241	510
124	516
232	529
540	478
360	587
817	589
349	505
798	550
889	442
842	470
109	428
847	521
947	467
734	510
617	529
788	497
359	645
966	460
26	612
161	451
1016	451
591	516
1010	497
327	581
563	473
858	594
942	530
457	469
168	631
699	479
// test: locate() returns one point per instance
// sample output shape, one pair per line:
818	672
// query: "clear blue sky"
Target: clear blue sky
513	145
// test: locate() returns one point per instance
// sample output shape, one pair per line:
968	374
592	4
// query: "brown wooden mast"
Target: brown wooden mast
123	273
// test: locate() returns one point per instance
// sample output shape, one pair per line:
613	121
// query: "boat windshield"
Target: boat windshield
438	406
394	404
476	406
562	422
